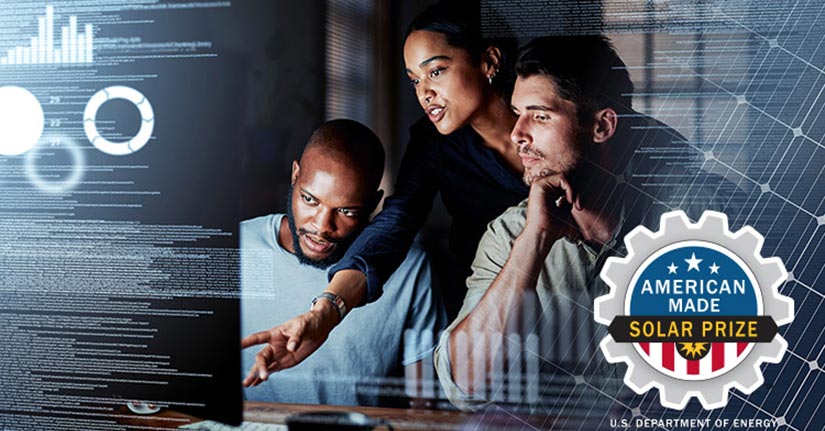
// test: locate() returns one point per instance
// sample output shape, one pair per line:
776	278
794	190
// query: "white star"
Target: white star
714	269
693	262
672	268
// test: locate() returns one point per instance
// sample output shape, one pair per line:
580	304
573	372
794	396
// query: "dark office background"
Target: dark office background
741	81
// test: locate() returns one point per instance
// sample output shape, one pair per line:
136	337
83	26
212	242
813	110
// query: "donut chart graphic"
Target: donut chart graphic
143	135
45	182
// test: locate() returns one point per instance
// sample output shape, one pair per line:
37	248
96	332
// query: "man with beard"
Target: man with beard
596	170
284	262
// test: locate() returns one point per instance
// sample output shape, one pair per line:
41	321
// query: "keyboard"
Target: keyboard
245	426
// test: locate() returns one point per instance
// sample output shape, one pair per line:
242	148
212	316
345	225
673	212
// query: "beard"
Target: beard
338	251
572	169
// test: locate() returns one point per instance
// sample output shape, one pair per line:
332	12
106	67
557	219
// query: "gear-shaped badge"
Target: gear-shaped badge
693	310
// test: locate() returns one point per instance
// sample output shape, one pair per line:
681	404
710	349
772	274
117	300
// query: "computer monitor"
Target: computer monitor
119	152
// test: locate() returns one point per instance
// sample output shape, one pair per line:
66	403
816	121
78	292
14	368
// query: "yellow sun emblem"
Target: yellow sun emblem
693	350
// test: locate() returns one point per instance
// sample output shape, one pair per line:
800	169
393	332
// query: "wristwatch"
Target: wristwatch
336	300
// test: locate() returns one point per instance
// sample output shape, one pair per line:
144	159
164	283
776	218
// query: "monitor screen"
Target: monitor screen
120	175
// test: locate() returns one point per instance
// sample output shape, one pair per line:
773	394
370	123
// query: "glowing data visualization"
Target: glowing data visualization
74	47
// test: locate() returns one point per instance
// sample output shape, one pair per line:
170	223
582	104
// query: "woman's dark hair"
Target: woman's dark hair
460	23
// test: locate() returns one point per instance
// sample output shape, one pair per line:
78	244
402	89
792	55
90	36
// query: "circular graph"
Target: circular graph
147	123
42	177
21	120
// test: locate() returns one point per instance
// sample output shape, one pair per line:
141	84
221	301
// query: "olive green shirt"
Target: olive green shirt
565	334
559	340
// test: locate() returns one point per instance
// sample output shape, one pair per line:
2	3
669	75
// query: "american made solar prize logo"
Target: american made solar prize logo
693	310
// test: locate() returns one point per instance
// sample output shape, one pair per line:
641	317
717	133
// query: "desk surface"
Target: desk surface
400	419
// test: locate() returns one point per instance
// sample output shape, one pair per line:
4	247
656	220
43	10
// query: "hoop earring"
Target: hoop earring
493	75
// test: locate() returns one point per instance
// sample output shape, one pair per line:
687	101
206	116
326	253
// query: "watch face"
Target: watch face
336	300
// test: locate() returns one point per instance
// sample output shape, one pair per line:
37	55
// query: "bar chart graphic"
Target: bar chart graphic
74	47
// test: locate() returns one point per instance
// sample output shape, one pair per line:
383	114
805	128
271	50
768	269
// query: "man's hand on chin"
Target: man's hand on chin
549	204
289	343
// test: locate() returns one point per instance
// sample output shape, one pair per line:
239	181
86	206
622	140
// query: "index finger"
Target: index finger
252	378
556	185
255	339
567	189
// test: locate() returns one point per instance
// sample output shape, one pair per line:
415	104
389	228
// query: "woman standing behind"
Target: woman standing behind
461	149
